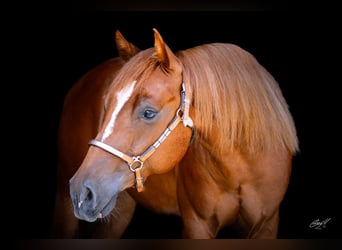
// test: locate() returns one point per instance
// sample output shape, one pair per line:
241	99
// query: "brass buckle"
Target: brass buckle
139	181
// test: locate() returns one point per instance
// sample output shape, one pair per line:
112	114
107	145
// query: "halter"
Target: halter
136	163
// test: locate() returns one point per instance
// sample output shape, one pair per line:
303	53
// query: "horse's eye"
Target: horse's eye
149	114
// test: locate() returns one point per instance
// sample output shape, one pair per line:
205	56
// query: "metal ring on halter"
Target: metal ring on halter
180	112
136	159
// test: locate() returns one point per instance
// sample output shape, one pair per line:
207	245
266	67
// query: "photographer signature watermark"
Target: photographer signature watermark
319	224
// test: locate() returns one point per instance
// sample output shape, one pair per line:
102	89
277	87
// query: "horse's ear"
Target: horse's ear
164	54
126	50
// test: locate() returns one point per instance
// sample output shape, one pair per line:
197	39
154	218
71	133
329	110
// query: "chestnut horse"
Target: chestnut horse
204	133
79	122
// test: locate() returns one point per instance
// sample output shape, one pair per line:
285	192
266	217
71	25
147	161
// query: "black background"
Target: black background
57	43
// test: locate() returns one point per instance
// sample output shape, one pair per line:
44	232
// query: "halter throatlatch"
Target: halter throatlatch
136	163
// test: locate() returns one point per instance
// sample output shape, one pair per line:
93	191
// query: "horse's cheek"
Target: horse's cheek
173	150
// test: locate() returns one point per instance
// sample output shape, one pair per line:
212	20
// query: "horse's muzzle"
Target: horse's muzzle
87	204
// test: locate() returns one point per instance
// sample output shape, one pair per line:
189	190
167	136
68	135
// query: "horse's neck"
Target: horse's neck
201	156
207	145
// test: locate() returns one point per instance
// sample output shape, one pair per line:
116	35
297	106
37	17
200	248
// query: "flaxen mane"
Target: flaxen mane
236	96
232	94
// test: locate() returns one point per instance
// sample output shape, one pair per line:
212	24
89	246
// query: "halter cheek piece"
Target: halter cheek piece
136	163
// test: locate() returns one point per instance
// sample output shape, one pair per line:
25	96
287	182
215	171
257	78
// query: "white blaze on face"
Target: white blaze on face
121	97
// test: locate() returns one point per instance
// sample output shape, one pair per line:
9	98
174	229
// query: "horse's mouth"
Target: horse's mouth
106	210
99	213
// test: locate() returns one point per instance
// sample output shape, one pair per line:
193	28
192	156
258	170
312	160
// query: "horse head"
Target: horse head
140	133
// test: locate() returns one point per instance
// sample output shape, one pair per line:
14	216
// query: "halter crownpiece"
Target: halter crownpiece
136	163
185	102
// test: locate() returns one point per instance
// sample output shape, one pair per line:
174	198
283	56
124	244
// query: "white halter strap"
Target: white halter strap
136	163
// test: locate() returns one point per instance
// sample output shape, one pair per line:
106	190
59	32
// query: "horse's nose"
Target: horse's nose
87	197
84	200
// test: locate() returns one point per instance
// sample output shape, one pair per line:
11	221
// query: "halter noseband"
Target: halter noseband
136	163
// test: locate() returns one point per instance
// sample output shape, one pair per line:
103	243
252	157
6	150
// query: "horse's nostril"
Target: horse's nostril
89	194
87	197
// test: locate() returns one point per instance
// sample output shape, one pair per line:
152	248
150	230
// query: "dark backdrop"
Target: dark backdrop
64	41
